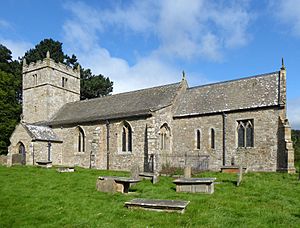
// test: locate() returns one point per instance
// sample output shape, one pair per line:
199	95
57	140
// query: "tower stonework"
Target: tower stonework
47	86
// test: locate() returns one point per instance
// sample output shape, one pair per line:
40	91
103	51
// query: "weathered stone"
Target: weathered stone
122	183
3	160
195	185
187	172
44	164
158	205
154	177
65	169
107	185
232	169
135	171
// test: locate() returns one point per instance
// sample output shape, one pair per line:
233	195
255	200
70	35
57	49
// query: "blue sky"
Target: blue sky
146	43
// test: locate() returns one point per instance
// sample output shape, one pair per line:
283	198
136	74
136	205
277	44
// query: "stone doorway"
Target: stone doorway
22	153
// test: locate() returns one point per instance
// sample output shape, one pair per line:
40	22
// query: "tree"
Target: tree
91	85
296	144
10	107
94	85
40	50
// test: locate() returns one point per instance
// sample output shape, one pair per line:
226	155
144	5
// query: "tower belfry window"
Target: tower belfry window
34	79
64	82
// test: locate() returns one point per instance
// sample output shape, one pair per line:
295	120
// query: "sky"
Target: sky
139	44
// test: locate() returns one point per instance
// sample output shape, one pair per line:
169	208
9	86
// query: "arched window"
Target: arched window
81	140
164	133
198	138
126	137
241	134
249	134
245	133
212	138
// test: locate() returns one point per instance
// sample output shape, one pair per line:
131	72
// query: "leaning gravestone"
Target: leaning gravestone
107	185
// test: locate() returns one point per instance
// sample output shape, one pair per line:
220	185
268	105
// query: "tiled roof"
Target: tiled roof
41	133
244	93
129	104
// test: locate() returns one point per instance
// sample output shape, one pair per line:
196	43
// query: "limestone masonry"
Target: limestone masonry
238	122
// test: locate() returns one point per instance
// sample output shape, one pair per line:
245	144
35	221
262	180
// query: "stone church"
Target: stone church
237	122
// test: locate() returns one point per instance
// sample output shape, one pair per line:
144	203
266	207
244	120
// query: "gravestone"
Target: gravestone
135	171
107	185
187	172
158	205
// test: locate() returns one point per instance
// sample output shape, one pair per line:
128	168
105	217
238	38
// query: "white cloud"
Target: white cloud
18	48
294	113
184	31
146	72
288	13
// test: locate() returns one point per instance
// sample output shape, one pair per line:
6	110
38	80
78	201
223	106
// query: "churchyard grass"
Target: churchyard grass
37	197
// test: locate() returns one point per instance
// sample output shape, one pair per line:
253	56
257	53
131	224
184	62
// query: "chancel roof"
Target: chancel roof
129	104
41	133
244	93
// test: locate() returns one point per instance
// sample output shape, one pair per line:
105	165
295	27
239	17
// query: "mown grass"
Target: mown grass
35	197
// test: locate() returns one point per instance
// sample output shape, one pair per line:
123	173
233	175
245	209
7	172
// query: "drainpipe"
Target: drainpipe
49	150
224	138
107	145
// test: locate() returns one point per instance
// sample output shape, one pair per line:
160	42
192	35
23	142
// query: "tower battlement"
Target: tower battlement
48	62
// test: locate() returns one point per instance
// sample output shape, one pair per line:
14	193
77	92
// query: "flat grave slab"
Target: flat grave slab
151	176
195	185
67	169
158	205
44	164
232	169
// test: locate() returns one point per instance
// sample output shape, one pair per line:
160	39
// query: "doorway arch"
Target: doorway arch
22	153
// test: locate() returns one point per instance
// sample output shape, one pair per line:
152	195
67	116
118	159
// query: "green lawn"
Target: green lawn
35	197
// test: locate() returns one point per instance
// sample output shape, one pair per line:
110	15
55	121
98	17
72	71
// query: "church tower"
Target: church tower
47	86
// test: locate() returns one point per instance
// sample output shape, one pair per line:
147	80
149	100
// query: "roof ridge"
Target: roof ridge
233	80
133	91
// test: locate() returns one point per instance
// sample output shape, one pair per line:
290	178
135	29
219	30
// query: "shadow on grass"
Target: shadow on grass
233	182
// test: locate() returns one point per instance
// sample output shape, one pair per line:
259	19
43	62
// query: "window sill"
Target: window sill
245	149
125	153
79	153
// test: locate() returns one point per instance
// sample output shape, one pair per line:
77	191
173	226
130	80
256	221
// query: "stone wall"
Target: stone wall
43	93
261	157
3	160
145	142
20	135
